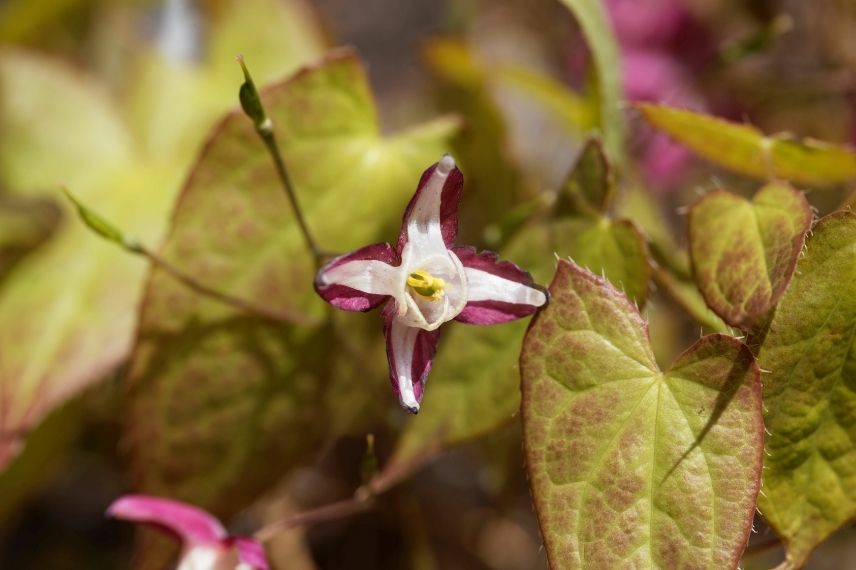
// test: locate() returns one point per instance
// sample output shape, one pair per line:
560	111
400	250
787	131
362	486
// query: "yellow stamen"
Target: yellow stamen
426	285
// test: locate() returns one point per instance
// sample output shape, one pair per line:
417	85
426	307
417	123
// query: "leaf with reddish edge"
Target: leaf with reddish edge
744	253
631	466
217	397
746	150
809	484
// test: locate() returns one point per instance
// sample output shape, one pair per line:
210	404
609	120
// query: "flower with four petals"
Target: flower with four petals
426	281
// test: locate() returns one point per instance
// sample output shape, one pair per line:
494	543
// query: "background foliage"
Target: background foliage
674	169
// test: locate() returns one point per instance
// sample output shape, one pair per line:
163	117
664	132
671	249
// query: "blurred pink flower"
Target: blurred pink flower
646	22
205	543
661	45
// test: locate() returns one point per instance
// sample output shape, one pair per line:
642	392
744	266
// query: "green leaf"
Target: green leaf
68	311
590	187
591	16
78	139
631	466
744	253
746	150
809	485
224	405
615	248
686	295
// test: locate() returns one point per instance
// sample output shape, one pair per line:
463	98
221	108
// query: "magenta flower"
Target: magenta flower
206	544
425	281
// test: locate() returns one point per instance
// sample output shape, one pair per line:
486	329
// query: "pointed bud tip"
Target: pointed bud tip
446	164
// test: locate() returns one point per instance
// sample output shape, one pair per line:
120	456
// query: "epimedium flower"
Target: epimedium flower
426	281
205	543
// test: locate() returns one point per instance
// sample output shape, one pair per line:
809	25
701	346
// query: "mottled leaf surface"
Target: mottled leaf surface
809	485
632	467
68	311
744	253
746	150
224	404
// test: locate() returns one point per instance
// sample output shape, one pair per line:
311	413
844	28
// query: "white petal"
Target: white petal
202	557
484	286
402	341
366	275
424	233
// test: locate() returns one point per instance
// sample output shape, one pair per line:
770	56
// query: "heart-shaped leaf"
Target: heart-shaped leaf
632	467
809	486
222	404
746	150
744	253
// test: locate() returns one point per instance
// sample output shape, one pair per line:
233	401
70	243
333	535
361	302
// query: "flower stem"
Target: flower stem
362	500
236	302
252	106
105	229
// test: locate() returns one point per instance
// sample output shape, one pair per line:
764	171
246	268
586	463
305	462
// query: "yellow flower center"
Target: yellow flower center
426	285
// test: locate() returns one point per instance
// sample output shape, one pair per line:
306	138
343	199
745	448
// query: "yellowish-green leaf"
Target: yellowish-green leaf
78	139
744	253
809	485
591	16
746	150
614	248
630	466
171	105
223	405
67	313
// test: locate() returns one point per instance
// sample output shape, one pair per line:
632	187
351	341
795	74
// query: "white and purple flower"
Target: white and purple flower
425	281
205	543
